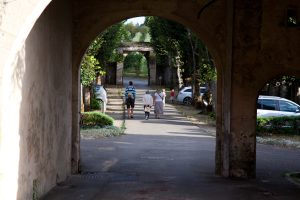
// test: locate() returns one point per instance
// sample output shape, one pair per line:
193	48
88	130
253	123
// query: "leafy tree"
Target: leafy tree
182	50
112	38
132	29
284	86
137	33
135	63
89	66
100	52
167	37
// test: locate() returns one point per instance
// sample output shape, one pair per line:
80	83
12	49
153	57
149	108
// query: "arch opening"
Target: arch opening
136	66
277	113
168	83
278	98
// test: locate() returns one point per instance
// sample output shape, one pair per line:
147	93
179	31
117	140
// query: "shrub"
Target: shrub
95	118
95	104
276	125
107	131
212	115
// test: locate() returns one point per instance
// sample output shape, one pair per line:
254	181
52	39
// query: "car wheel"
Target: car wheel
187	100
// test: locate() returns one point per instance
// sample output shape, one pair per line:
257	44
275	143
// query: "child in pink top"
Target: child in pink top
172	95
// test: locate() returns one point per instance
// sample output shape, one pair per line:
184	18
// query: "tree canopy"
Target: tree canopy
101	51
175	46
172	40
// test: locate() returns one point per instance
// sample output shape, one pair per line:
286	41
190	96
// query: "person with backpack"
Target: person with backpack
130	95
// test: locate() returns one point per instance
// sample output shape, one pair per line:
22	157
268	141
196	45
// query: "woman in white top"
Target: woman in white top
148	103
158	103
164	98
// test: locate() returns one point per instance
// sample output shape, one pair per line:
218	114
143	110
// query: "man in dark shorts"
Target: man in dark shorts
130	99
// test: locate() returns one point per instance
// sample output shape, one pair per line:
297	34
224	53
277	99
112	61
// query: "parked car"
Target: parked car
272	106
185	94
101	95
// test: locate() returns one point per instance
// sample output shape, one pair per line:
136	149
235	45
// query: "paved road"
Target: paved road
137	82
171	159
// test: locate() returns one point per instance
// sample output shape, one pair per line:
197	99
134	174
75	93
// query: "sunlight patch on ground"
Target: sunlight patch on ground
173	135
106	148
123	143
108	164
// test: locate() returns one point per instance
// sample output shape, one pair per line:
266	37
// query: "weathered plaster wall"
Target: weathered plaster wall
16	20
45	113
263	48
280	44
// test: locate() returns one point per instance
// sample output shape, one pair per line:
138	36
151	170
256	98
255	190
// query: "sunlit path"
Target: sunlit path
170	159
172	123
137	82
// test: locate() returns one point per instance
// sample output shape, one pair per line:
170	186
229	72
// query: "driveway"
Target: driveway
171	159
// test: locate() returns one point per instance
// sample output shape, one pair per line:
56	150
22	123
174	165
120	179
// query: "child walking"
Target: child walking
148	103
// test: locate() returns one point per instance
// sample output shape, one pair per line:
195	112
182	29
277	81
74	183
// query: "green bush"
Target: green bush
107	131
278	125
95	118
95	104
212	115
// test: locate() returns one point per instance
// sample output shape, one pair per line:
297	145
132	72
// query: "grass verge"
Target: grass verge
287	141
194	115
294	177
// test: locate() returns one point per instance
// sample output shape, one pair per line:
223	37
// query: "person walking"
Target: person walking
148	103
172	95
130	95
164	96
158	103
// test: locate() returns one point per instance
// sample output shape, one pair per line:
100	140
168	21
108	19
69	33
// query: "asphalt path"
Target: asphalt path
171	159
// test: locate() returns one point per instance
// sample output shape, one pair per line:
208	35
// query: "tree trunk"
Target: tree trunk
98	80
195	81
213	90
86	98
82	100
178	65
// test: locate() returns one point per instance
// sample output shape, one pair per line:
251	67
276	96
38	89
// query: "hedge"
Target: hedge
96	118
95	104
278	125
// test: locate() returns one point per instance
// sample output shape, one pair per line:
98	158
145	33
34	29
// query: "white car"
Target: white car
185	94
101	95
272	106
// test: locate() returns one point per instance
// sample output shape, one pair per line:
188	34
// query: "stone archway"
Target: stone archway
141	47
42	47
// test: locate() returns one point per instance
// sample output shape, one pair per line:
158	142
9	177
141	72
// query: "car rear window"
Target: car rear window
267	104
287	106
